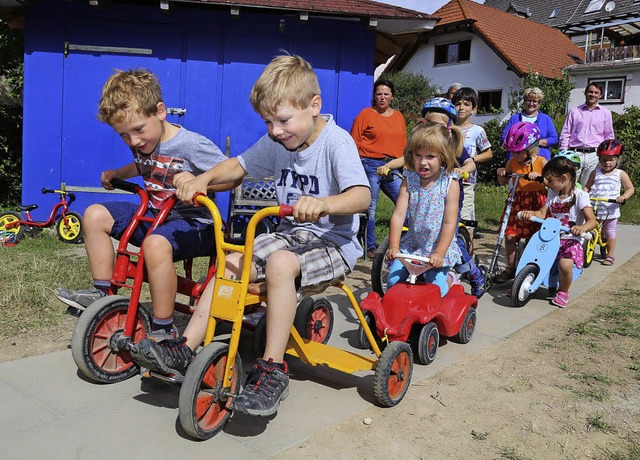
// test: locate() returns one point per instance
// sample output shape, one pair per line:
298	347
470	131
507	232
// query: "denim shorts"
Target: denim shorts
189	237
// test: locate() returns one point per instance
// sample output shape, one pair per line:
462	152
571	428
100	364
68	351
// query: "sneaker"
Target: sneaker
80	299
265	387
163	334
170	357
561	299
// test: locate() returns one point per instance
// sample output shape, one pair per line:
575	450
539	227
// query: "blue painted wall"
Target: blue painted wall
207	62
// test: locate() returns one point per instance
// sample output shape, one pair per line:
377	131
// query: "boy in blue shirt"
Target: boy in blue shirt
317	170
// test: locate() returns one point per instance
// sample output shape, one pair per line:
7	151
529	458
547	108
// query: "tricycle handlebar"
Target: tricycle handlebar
125	185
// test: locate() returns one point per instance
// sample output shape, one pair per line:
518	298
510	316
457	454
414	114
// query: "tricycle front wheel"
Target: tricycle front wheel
204	404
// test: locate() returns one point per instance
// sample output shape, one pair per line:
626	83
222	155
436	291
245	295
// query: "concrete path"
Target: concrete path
48	411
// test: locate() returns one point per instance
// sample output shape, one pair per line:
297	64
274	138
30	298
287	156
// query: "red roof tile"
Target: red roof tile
526	45
338	7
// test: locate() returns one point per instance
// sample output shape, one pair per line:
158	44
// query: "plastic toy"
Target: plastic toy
494	268
598	238
68	224
216	375
414	311
106	329
538	265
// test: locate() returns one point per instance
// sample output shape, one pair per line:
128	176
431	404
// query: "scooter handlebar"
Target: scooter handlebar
526	176
586	235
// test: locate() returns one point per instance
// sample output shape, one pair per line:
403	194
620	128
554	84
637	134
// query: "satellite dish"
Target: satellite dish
610	6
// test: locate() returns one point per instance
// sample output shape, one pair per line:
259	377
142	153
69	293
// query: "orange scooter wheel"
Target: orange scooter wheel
204	404
393	374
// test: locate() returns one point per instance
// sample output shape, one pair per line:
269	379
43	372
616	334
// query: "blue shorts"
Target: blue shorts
189	237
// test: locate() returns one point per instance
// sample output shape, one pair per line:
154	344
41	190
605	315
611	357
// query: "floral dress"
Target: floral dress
426	215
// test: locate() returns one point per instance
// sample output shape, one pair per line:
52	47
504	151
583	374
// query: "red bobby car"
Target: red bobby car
414	311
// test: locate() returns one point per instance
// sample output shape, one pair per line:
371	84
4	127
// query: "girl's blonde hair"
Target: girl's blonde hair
286	79
433	137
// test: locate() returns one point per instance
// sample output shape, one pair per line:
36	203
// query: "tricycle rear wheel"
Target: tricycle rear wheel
393	374
204	405
314	319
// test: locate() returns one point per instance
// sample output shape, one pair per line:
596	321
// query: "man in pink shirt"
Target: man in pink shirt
585	128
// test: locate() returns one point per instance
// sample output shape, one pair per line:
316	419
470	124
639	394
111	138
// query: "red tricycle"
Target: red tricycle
414	312
105	331
68	224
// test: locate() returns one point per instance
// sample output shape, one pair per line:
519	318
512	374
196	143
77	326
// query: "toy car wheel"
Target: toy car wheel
520	294
428	341
314	319
204	404
363	342
589	248
468	326
70	231
95	336
393	374
8	218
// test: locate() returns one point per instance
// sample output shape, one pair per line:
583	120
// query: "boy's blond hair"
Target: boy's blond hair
286	79
433	137
128	92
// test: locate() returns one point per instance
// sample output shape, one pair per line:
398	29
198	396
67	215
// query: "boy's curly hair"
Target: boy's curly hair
126	92
446	142
286	79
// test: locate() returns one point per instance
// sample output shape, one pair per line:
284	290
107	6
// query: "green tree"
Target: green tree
411	92
626	128
556	93
11	71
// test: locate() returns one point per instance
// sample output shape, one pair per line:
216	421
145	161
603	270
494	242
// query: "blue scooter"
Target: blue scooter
538	265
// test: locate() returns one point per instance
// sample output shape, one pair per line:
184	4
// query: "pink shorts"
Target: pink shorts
609	228
571	249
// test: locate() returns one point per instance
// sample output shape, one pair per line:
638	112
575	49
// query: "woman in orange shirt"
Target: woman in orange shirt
380	134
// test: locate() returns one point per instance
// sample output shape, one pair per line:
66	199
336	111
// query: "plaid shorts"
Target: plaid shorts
321	264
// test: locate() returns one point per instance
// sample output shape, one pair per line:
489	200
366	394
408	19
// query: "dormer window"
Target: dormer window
594	5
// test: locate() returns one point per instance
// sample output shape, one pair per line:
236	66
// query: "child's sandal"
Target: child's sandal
608	261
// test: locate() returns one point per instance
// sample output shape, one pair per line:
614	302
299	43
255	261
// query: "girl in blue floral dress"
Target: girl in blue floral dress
429	198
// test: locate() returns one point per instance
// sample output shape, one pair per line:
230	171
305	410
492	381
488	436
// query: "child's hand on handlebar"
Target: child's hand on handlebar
436	260
578	230
187	185
106	176
391	253
501	172
620	199
525	215
533	175
309	209
383	170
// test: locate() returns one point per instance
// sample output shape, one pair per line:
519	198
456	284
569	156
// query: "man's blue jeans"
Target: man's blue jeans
390	186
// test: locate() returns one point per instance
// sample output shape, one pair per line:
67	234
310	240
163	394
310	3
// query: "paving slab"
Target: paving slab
49	411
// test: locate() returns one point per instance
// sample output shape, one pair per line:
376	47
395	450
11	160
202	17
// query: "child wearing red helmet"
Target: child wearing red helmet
606	182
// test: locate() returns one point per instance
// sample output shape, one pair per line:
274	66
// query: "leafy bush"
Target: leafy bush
487	170
412	91
10	114
626	128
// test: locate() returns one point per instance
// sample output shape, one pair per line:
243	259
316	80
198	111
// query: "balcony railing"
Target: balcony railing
612	54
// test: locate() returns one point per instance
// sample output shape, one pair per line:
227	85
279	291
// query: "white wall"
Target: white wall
631	90
485	70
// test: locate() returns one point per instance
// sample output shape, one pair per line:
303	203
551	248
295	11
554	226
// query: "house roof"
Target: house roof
570	15
525	45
